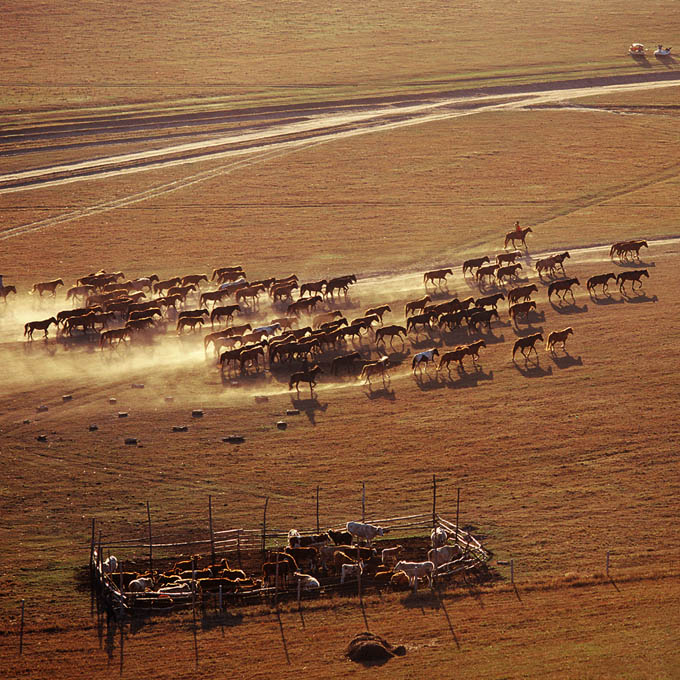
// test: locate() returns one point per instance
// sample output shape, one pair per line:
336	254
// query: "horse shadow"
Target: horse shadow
342	302
608	299
427	343
527	330
666	59
465	379
397	358
490	338
381	393
639	297
532	369
441	293
569	308
309	406
426	381
635	264
566	360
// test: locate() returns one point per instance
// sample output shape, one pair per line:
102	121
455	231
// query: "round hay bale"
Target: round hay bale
293	412
42	437
42	408
122	414
27	421
180	428
234	439
112	400
67	397
131	441
282	424
368	648
137	386
197	413
93	428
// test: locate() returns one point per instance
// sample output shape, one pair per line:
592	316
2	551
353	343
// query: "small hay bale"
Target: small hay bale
371	649
293	412
42	437
282	424
131	441
42	408
137	386
67	397
112	400
180	428
122	414
234	439
93	428
26	421
169	399
261	400
197	413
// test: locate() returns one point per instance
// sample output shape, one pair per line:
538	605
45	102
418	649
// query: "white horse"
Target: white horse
424	358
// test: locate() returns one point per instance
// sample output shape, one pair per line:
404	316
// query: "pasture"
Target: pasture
559	459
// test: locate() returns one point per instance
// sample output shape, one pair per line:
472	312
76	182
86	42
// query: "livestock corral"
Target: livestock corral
250	566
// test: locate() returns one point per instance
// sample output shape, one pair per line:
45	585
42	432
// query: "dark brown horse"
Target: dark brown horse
563	287
226	312
389	332
437	277
373	368
521	293
474	263
517	235
47	287
380	311
521	309
308	376
313	287
600	280
526	345
558	336
38	326
344	363
457	354
634	276
5	291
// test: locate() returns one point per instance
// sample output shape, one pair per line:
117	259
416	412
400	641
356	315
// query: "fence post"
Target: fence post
457	512
21	631
363	501
148	515
220	599
607	571
317	508
434	501
92	548
120	583
212	535
264	523
238	546
512	571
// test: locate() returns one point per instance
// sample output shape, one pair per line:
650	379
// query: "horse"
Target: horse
183	291
47	286
389	331
488	270
623	248
78	292
526	343
143	282
559	260
474	263
229	277
507	258
162	286
419	320
521	309
482	317
219	313
142	324
521	293
508	271
365	322
147	311
85	321
345	362
308	376
424	358
599	280
222	270
558	336
340	283
282	291
285	322
372	368
191	321
303	305
250	354
38	326
545	264
490	300
379	311
320	319
313	287
472	350
213	296
194	279
563	287
454	355
517	235
634	275
416	305
436	277
117	334
228	357
6	290
452	319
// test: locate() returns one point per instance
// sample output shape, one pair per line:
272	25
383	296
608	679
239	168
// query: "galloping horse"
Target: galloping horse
389	331
635	275
424	358
375	368
308	376
517	235
600	280
563	287
47	287
437	277
526	343
5	291
474	263
558	336
38	326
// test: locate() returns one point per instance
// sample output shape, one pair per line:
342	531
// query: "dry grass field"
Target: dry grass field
558	462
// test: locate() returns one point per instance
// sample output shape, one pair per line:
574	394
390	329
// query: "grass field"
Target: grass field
557	464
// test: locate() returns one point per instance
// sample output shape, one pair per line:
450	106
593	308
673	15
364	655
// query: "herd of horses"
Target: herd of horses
306	329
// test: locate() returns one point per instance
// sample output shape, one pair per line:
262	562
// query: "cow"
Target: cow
367	532
391	554
416	570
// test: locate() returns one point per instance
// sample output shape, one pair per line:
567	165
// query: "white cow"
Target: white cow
110	565
415	570
439	537
139	585
176	589
391	554
447	553
351	570
307	582
366	531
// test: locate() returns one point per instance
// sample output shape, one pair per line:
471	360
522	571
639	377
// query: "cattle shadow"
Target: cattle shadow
309	407
532	368
568	308
638	298
566	360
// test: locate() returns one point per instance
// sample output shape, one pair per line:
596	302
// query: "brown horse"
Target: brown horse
508	271
558	336
456	354
79	292
222	270
390	332
194	279
226	277
474	263
482	317
526	343
282	291
5	291
345	363
162	286
116	334
340	283
38	326
521	293
634	276
308	376
624	249
47	287
490	300
313	287
507	258
226	312
472	350
416	305
380	311
487	270
373	368
182	291
303	305
250	355
423	320
517	235
563	287
521	309
436	277
191	321
600	280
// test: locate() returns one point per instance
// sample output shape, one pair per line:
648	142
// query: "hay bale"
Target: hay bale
282	424
122	414
93	428
112	400
66	397
234	439
131	441
137	386
42	408
292	412
42	437
197	413
369	649
169	400
180	428
27	421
